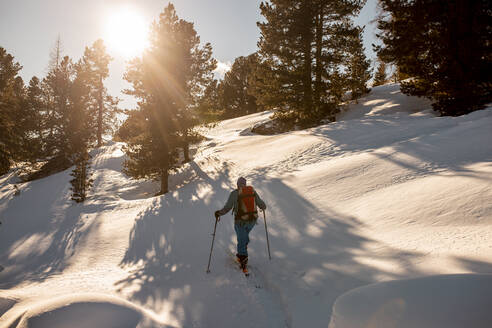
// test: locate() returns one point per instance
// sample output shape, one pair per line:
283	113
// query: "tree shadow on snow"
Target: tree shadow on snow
38	240
320	252
168	249
317	254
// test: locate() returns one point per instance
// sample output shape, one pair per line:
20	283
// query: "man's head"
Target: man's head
241	182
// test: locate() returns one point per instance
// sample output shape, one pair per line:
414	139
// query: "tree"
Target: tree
302	49
167	81
235	95
380	77
95	64
444	46
194	72
285	49
32	113
57	87
82	180
78	133
11	95
63	104
359	72
208	107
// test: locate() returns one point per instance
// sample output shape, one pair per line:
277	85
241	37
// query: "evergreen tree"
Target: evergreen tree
208	107
33	122
79	134
303	45
63	103
380	77
82	180
57	87
444	46
235	96
398	75
286	76
194	72
95	62
11	96
359	72
167	80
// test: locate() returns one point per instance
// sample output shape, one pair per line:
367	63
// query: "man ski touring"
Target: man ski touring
243	202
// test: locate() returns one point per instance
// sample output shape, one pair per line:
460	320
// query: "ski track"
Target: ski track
258	292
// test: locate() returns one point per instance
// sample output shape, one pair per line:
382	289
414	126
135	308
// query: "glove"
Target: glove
217	215
263	208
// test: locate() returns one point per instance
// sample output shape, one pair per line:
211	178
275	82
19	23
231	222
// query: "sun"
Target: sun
126	33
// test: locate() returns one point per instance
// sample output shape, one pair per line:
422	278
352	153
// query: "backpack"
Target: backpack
246	204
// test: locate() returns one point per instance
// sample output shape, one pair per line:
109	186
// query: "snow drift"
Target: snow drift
81	311
451	301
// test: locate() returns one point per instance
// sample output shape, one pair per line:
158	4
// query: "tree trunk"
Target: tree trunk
308	37
186	150
100	114
164	182
319	62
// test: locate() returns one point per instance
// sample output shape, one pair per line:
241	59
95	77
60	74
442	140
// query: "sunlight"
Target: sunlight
126	33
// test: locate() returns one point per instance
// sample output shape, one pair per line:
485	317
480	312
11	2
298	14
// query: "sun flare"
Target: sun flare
126	33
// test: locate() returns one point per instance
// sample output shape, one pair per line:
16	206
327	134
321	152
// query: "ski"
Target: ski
249	272
245	270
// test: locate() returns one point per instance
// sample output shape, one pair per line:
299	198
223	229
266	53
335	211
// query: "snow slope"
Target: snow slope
388	192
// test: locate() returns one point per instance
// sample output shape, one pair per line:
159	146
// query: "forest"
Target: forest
309	63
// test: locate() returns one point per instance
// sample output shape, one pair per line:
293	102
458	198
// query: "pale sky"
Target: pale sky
29	28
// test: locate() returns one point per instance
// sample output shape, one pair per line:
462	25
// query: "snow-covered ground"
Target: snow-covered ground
451	301
388	192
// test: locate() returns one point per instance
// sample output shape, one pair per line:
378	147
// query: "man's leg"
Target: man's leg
242	239
242	233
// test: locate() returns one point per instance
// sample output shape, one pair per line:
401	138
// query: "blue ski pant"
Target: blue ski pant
242	234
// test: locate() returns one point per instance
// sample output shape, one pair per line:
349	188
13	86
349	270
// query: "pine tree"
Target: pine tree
235	97
95	62
303	46
33	122
167	80
380	77
56	88
398	76
194	71
444	46
11	96
359	72
78	132
283	79
63	103
208	108
82	180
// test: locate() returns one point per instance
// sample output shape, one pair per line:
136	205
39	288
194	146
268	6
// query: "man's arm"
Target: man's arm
227	207
261	204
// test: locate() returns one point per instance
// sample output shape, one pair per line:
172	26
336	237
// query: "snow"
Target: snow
451	301
390	192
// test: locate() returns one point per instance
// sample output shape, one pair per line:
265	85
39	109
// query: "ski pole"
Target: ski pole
266	231
212	247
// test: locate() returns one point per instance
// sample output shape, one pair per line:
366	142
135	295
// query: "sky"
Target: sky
29	29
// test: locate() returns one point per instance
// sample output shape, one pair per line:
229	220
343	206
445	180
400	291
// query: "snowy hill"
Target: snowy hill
388	192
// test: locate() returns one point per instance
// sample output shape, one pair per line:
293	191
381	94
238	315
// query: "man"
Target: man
243	202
